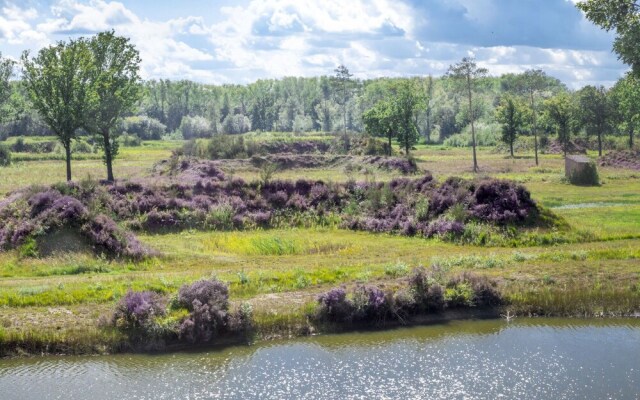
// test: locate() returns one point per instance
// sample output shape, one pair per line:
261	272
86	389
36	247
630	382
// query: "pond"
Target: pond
485	359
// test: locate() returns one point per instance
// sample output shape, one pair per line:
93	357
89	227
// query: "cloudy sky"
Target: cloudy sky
223	41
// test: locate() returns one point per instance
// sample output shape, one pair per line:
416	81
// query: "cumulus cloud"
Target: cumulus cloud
256	39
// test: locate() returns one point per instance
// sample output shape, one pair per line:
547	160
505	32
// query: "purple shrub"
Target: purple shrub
206	291
260	218
40	202
442	227
501	202
298	202
69	210
159	220
318	193
208	301
136	309
278	199
427	293
334	305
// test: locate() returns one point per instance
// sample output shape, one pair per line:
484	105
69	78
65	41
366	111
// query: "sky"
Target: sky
222	41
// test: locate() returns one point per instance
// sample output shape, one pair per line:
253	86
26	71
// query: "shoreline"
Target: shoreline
259	334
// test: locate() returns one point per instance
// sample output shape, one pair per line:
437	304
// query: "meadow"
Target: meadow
61	299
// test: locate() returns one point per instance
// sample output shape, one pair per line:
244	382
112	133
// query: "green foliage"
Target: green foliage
114	89
595	112
561	113
623	16
513	114
5	156
58	82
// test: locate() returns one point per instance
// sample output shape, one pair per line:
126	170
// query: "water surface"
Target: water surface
490	359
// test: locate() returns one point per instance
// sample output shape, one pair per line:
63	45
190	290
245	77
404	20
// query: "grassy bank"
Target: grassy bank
54	303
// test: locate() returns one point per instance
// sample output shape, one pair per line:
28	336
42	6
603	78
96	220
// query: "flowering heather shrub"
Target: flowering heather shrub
442	227
137	309
452	191
204	322
501	202
370	302
403	165
41	201
206	291
68	210
103	232
334	305
208	301
159	220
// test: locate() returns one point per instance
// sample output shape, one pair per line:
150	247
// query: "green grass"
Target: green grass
281	271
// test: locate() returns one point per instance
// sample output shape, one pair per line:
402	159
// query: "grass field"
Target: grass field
280	271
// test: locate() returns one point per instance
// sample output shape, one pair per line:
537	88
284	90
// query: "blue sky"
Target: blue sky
224	41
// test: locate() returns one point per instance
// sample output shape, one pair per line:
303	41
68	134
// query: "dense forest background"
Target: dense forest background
187	110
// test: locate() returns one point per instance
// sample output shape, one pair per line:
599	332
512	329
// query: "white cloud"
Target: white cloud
16	28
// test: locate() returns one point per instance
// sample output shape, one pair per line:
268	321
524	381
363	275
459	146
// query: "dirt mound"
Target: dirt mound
555	147
621	159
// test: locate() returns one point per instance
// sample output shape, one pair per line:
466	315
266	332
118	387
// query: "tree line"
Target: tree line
91	86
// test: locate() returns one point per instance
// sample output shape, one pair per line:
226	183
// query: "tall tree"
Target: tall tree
561	113
626	98
595	112
534	83
6	71
405	104
380	121
115	89
58	84
428	101
623	16
467	74
513	114
343	86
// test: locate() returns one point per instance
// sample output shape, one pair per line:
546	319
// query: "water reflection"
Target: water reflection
527	358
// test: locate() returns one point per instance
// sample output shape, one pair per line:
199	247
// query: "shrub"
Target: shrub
334	305
206	291
471	289
146	128
501	202
427	293
195	127
370	303
137	309
208	301
5	156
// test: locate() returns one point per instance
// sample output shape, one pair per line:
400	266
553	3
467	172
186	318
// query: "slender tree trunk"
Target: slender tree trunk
511	148
108	156
389	149
599	143
67	149
631	138
535	128
473	130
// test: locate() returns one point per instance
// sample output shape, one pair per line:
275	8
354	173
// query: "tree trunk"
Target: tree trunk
631	138
535	128
599	143
473	130
67	149
511	148
108	156
389	149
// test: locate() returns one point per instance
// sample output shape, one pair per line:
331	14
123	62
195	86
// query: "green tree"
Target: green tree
380	121
6	71
58	81
343	87
626	98
534	83
595	112
513	114
623	16
467	75
405	104
561	113
115	89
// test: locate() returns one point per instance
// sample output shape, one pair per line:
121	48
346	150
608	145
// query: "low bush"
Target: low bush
5	156
136	310
425	291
